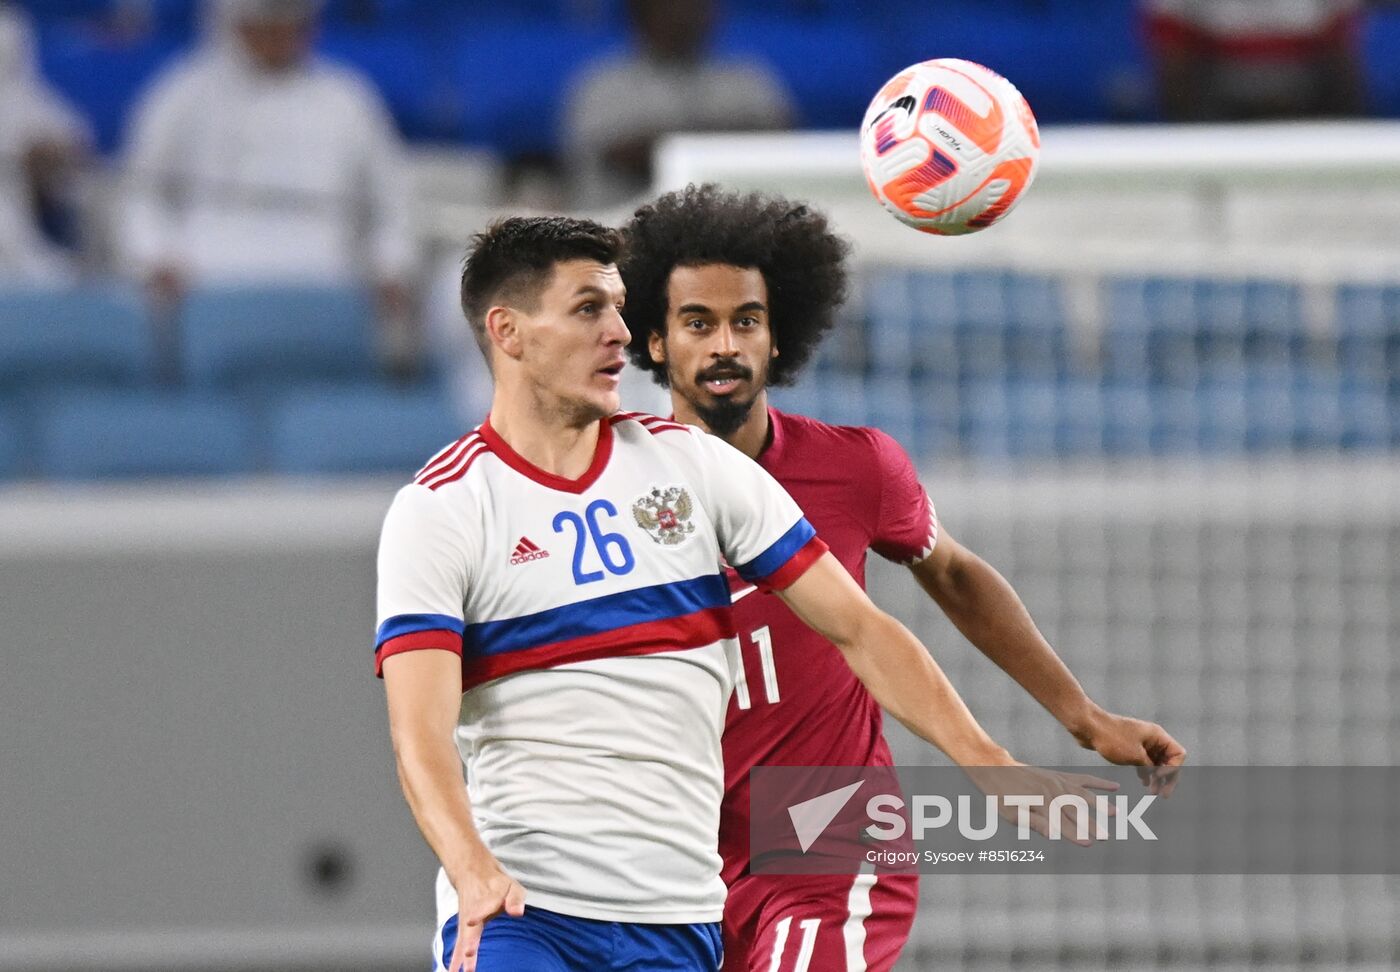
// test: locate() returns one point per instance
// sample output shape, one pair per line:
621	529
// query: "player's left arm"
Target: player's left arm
987	610
989	613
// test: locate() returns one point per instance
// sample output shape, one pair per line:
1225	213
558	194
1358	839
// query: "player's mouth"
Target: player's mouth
724	381
613	371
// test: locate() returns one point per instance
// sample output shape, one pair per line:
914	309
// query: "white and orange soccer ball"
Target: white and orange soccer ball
949	147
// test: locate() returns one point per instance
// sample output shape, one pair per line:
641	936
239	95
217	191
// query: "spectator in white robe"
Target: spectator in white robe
254	161
43	142
621	106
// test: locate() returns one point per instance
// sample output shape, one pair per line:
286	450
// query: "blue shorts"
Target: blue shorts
546	941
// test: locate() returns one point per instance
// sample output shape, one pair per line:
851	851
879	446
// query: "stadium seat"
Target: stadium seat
1369	421
1368	330
1274	327
1127	412
1080	419
97	434
11	446
85	335
1176	421
359	429
836	94
268	335
397	62
985	420
514	77
1149	330
1272	421
103	71
1381	43
1223	416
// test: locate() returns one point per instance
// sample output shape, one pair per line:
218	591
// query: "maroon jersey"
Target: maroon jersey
796	702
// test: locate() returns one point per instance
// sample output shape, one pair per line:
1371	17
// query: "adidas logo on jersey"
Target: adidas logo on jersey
525	551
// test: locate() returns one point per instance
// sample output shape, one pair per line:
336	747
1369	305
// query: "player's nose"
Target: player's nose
724	344
615	330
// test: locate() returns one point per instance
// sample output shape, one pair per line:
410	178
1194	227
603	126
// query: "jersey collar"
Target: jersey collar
520	464
768	458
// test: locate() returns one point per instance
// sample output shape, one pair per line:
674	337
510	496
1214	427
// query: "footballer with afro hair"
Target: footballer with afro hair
790	253
728	293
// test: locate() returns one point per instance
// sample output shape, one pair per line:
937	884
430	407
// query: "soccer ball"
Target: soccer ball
949	147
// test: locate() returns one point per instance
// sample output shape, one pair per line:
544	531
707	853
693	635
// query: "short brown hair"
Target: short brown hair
514	258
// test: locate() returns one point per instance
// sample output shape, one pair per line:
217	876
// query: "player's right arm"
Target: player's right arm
425	691
424	558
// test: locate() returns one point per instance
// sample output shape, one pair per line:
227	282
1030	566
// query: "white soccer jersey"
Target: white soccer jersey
593	619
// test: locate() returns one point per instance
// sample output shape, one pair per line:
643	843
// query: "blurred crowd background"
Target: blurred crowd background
267	197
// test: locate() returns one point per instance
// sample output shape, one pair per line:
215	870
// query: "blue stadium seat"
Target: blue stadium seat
1127	411
1272	418
891	405
87	335
832	65
1080	418
1274	329
1381	43
97	434
1368	330
103	71
1073	62
11	446
1176	421
1319	420
1369	420
269	335
514	78
985	419
397	62
1123	343
359	429
1151	330
890	328
1223	416
1035	418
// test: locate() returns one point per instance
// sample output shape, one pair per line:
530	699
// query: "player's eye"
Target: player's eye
695	324
589	308
748	322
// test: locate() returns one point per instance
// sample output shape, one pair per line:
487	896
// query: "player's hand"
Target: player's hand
1136	742
480	897
1022	780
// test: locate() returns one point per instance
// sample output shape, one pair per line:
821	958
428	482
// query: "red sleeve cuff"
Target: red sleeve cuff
782	578
417	641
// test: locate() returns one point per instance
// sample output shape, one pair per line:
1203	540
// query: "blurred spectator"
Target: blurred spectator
1238	60
254	161
623	105
42	141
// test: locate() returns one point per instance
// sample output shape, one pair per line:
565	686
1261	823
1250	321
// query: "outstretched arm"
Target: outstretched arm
901	675
891	663
986	609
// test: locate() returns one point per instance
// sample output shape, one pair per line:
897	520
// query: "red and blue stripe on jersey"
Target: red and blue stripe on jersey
663	617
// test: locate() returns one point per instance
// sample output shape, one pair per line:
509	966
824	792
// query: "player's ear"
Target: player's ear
656	347
504	330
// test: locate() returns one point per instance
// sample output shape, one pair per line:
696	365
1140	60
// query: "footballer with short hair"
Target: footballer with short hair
552	613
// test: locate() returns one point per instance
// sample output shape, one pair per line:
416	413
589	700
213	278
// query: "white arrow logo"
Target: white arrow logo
811	817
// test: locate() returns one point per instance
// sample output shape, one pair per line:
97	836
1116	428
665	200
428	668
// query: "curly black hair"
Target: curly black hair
802	261
514	258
